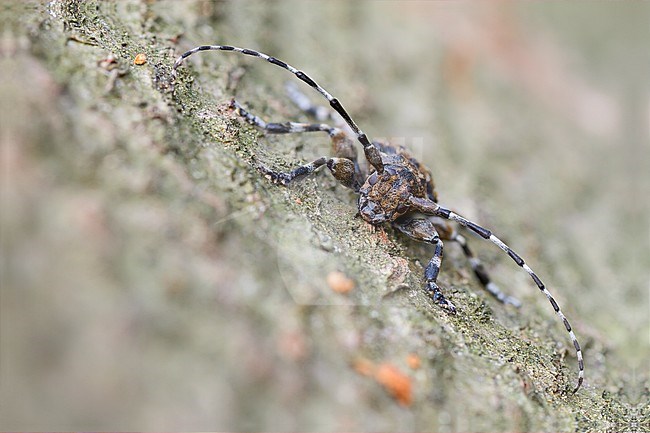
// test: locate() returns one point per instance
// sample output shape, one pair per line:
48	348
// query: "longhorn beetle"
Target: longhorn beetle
393	187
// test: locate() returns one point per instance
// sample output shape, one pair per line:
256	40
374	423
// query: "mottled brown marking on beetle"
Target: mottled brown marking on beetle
385	197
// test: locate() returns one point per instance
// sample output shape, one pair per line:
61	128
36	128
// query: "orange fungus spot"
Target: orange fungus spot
339	282
395	382
140	59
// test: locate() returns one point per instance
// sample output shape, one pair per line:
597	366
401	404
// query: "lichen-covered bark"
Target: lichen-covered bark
153	279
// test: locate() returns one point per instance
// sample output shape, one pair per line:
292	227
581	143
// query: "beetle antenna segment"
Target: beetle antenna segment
433	208
372	153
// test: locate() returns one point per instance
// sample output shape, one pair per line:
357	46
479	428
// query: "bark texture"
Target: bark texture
153	280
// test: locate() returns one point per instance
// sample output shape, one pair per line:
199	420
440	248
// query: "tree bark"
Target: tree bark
154	279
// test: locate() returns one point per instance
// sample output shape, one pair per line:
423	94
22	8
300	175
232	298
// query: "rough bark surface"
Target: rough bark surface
152	279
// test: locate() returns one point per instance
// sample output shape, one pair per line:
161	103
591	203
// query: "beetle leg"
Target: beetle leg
318	112
342	147
341	168
449	233
430	207
482	275
423	230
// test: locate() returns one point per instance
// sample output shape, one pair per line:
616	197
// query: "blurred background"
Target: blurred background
137	293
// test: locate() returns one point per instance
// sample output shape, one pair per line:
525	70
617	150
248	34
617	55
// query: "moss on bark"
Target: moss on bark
154	279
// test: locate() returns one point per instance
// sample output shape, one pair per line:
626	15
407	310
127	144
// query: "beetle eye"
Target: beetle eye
401	208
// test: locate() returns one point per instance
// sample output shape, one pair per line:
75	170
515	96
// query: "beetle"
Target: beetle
393	187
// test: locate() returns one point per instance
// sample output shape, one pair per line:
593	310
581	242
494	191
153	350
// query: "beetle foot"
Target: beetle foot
439	298
277	178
